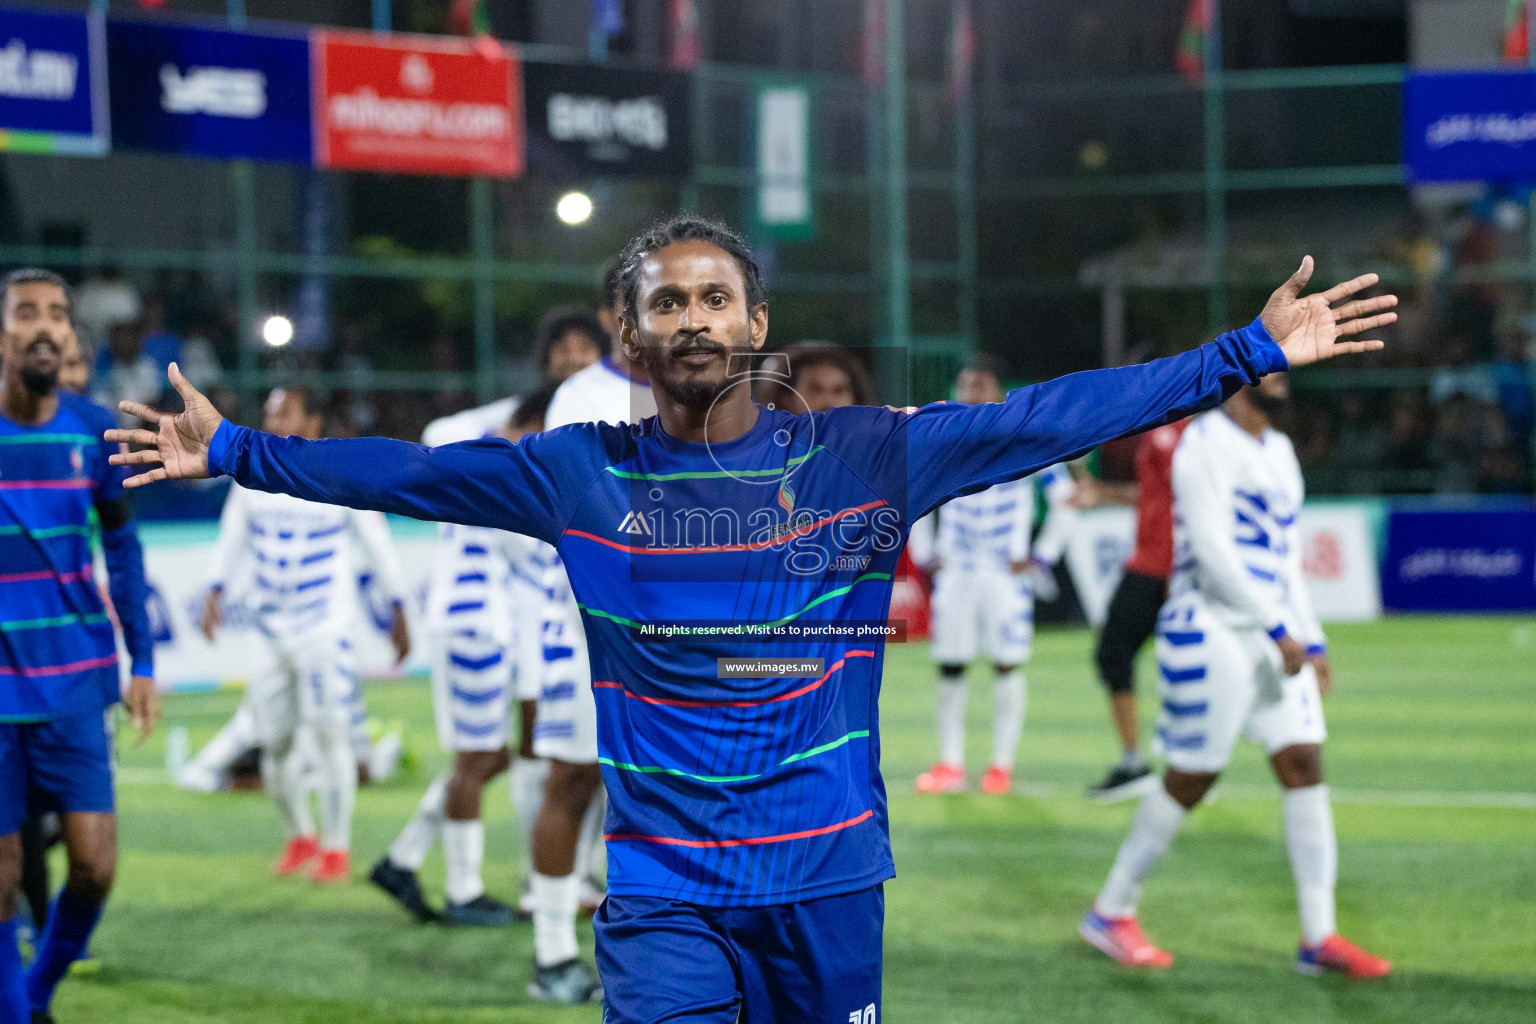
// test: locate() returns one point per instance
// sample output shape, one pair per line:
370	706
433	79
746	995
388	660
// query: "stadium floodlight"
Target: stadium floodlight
277	331
574	208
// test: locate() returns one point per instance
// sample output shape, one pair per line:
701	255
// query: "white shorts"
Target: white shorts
527	648
993	611
471	691
1218	683
566	726
309	680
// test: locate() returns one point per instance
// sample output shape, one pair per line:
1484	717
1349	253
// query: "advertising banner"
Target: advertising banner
53	88
1461	560
1472	126
176	560
208	92
416	105
784	208
593	121
1338	559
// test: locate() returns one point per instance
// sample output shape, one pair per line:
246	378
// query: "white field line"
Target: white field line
1039	790
1361	797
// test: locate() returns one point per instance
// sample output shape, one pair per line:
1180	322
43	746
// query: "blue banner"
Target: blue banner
1473	126
1460	561
208	92
52	83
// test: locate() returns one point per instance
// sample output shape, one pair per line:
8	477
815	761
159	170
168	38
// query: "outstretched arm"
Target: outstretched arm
955	449
480	483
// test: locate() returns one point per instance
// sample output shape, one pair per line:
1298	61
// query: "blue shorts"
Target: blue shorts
62	765
817	961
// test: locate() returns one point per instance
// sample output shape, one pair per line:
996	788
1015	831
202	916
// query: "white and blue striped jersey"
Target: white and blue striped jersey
302	569
1235	539
474	585
478	580
990	530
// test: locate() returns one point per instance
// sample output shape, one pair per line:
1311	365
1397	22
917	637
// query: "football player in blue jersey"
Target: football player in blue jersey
58	654
747	825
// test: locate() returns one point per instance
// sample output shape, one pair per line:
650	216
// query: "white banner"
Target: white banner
1337	549
176	558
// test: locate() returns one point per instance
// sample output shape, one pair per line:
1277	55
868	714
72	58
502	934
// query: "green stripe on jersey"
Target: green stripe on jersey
654	770
46	531
714	474
47	439
58	620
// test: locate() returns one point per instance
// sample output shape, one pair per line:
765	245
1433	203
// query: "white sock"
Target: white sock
1008	702
464	849
1156	821
281	777
591	852
336	778
527	783
229	744
1314	852
554	918
414	842
952	720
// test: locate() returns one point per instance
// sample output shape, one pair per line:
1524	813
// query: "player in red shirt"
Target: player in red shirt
1133	610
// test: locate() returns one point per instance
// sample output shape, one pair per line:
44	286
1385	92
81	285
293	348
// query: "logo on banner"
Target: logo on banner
599	121
37	74
416	73
220	92
442	109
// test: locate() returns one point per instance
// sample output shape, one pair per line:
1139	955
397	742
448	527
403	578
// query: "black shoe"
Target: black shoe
481	912
42	1017
403	888
573	983
1123	783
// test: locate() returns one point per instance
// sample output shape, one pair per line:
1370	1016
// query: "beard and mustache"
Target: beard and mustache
38	382
677	384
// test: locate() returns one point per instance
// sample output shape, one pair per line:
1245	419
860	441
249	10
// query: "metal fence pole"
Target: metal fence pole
243	178
898	259
1215	173
966	246
382	16
482	229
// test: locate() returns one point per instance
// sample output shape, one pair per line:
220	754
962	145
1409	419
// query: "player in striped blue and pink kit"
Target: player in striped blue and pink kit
747	827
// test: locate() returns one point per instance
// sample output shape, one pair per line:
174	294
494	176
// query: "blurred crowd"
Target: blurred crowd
1453	414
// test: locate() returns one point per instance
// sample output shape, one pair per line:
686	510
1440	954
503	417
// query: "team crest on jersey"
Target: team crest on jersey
636	525
786	496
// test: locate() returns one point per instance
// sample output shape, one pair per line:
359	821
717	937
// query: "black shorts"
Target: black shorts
1131	621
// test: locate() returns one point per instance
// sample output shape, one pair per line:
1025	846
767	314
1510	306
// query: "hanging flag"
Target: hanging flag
683	54
469	18
608	16
1197	29
1517	38
872	44
962	50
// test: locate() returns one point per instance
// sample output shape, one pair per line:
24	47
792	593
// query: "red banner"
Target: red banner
420	106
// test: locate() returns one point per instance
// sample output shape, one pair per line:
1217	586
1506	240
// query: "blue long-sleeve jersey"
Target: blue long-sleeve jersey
743	791
57	652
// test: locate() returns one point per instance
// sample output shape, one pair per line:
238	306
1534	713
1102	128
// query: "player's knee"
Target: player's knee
1299	766
479	767
951	671
92	873
1114	669
10	875
572	786
1188	788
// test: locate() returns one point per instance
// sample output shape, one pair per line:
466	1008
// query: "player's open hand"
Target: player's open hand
143	703
179	444
1312	329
